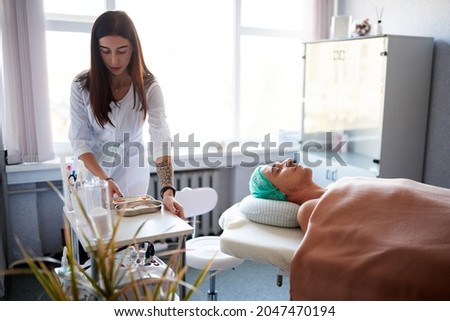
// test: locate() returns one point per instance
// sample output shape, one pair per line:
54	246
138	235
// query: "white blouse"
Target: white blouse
120	149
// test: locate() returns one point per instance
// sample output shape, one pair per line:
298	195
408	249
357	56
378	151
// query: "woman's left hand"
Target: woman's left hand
172	205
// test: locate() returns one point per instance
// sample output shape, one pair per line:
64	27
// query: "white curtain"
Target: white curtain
28	135
323	11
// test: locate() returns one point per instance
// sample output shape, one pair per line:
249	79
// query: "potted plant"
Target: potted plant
113	278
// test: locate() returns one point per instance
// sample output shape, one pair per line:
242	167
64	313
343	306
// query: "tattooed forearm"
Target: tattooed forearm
164	170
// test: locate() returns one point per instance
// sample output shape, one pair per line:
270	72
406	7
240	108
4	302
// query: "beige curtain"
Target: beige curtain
27	129
323	11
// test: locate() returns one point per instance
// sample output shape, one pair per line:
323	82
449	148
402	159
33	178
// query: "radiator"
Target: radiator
215	178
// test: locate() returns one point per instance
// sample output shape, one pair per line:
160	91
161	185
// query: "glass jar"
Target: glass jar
97	205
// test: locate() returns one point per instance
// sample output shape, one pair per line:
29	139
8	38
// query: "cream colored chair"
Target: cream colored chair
201	250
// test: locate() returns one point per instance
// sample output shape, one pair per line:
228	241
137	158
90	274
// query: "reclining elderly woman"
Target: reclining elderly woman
365	238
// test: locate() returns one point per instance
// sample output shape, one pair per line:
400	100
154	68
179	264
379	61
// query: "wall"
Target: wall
35	221
421	18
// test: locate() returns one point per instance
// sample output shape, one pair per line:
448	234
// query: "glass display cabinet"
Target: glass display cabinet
365	106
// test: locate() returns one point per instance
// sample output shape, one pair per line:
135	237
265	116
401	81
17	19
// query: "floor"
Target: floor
250	281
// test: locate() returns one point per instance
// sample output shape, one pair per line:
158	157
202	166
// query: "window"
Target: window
189	47
223	79
68	26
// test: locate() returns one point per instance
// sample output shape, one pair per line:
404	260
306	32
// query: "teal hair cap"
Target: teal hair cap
261	187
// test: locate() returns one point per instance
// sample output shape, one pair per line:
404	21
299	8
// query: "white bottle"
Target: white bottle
379	28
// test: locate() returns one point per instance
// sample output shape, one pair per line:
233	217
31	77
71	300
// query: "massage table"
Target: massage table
258	242
364	239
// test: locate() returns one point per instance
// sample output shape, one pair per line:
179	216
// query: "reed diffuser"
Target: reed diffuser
379	25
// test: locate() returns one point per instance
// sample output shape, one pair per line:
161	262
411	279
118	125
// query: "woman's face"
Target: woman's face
116	53
287	176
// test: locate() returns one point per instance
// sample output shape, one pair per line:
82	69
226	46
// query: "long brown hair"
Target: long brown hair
97	80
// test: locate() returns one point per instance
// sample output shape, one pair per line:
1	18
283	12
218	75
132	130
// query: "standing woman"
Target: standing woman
109	105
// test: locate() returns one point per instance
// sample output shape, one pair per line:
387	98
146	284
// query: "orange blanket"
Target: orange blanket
374	239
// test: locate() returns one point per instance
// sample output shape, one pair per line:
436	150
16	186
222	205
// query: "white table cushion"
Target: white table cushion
258	242
201	250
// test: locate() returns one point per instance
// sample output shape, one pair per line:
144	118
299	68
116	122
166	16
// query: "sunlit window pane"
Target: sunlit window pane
271	87
190	51
273	14
69	55
78	7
